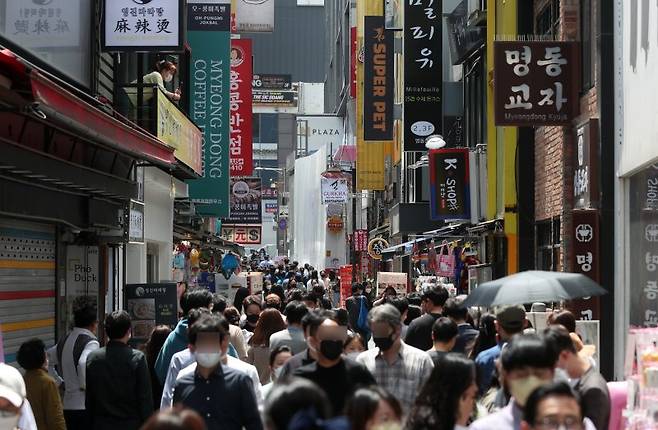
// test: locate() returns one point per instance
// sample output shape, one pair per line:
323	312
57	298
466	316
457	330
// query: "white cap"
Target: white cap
12	386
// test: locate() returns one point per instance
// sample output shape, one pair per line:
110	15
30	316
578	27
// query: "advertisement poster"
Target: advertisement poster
241	156
254	16
150	305
423	72
245	201
378	83
280	98
537	83
392	279
143	25
209	39
450	197
345	273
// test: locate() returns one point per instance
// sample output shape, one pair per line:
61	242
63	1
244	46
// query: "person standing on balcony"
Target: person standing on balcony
164	72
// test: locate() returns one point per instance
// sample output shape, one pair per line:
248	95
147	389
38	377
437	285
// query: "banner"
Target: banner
245	201
449	184
241	111
150	305
378	83
209	39
393	12
360	240
537	83
334	187
254	16
139	25
423	72
345	273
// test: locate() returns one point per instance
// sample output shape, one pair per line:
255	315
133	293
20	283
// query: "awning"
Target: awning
345	154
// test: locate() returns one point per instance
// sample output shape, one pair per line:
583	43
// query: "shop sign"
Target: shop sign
585	260
536	83
245	201
463	38
136	222
423	72
176	130
392	279
393	12
376	246
378	83
269	193
275	98
321	132
82	271
334	188
43	24
209	39
154	25
449	184
243	234
360	240
271	208
271	82
335	224
345	273
150	305
586	173
241	156
254	16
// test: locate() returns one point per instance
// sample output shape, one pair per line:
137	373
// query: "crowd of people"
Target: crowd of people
291	358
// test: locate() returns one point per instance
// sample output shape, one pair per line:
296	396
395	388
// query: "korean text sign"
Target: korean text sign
586	172
378	80
143	25
449	184
585	240
209	39
423	76
536	83
150	305
241	108
245	201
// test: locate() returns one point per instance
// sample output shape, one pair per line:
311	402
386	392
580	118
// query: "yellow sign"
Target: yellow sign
376	246
179	132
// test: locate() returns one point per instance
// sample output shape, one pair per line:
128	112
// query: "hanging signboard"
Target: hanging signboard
150	305
378	84
135	222
449	184
585	260
241	156
271	82
141	25
242	234
321	132
272	98
360	239
536	83
209	39
43	24
423	72
345	273
376	246
586	172
334	187
254	16
245	201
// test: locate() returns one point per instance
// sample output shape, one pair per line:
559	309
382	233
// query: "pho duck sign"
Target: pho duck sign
449	184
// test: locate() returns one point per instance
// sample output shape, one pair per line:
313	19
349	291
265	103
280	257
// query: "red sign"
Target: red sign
353	59
241	149
585	239
361	240
345	283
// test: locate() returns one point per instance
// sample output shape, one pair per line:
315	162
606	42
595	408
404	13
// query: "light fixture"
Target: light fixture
434	141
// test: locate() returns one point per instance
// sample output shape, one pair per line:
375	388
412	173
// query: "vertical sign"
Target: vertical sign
449	184
378	80
241	111
536	83
345	273
353	59
586	172
209	39
423	72
585	240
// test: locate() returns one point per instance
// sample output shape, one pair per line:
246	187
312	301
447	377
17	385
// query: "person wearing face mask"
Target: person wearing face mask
419	334
397	367
278	358
164	73
40	387
253	306
293	335
222	395
118	393
354	345
339	377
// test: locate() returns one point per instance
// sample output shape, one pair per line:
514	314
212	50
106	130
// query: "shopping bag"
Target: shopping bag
446	263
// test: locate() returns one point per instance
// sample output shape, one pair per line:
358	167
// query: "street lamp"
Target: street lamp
435	141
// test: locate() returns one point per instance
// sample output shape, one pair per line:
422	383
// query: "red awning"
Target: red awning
63	107
345	154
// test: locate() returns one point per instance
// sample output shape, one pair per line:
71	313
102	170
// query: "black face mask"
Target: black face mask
331	349
253	318
383	343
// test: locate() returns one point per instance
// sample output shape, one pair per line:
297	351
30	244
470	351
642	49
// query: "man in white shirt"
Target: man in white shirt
70	361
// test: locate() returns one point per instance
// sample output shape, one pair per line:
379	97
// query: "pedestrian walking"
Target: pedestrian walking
41	389
402	305
69	359
236	337
152	348
223	396
447	400
444	337
554	406
118	393
397	367
175	419
486	337
278	358
339	377
358	307
258	352
293	335
419	334
374	408
308	355
253	306
354	345
458	313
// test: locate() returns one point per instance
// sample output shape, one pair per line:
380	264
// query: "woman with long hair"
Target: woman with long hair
258	353
447	400
152	348
487	337
373	408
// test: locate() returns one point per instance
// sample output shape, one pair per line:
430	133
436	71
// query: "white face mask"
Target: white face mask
8	421
352	355
277	373
208	359
167	77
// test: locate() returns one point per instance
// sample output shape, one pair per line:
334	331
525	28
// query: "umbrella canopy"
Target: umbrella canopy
534	286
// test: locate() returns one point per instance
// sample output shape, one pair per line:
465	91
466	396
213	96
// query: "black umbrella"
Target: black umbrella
534	286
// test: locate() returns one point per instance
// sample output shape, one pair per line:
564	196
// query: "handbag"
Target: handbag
446	262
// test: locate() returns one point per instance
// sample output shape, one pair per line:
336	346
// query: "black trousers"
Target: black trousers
77	420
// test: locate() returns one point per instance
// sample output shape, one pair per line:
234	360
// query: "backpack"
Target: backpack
362	321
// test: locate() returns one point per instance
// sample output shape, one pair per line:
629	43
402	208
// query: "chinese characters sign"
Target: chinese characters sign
53	24
586	176
242	234
241	112
378	81
245	201
585	259
535	83
143	25
449	184
423	77
360	240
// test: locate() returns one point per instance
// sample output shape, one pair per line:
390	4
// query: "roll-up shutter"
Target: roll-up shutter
27	284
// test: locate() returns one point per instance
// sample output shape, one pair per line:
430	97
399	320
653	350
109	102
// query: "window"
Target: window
586	44
547	244
255	128
548	20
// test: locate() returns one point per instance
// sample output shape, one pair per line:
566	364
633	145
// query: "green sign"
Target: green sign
209	38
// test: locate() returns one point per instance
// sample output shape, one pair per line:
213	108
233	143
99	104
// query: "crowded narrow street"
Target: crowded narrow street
328	215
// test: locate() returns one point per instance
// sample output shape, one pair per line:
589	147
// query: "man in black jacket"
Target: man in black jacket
118	393
419	334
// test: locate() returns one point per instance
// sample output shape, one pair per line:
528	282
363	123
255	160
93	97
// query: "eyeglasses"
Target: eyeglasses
554	423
